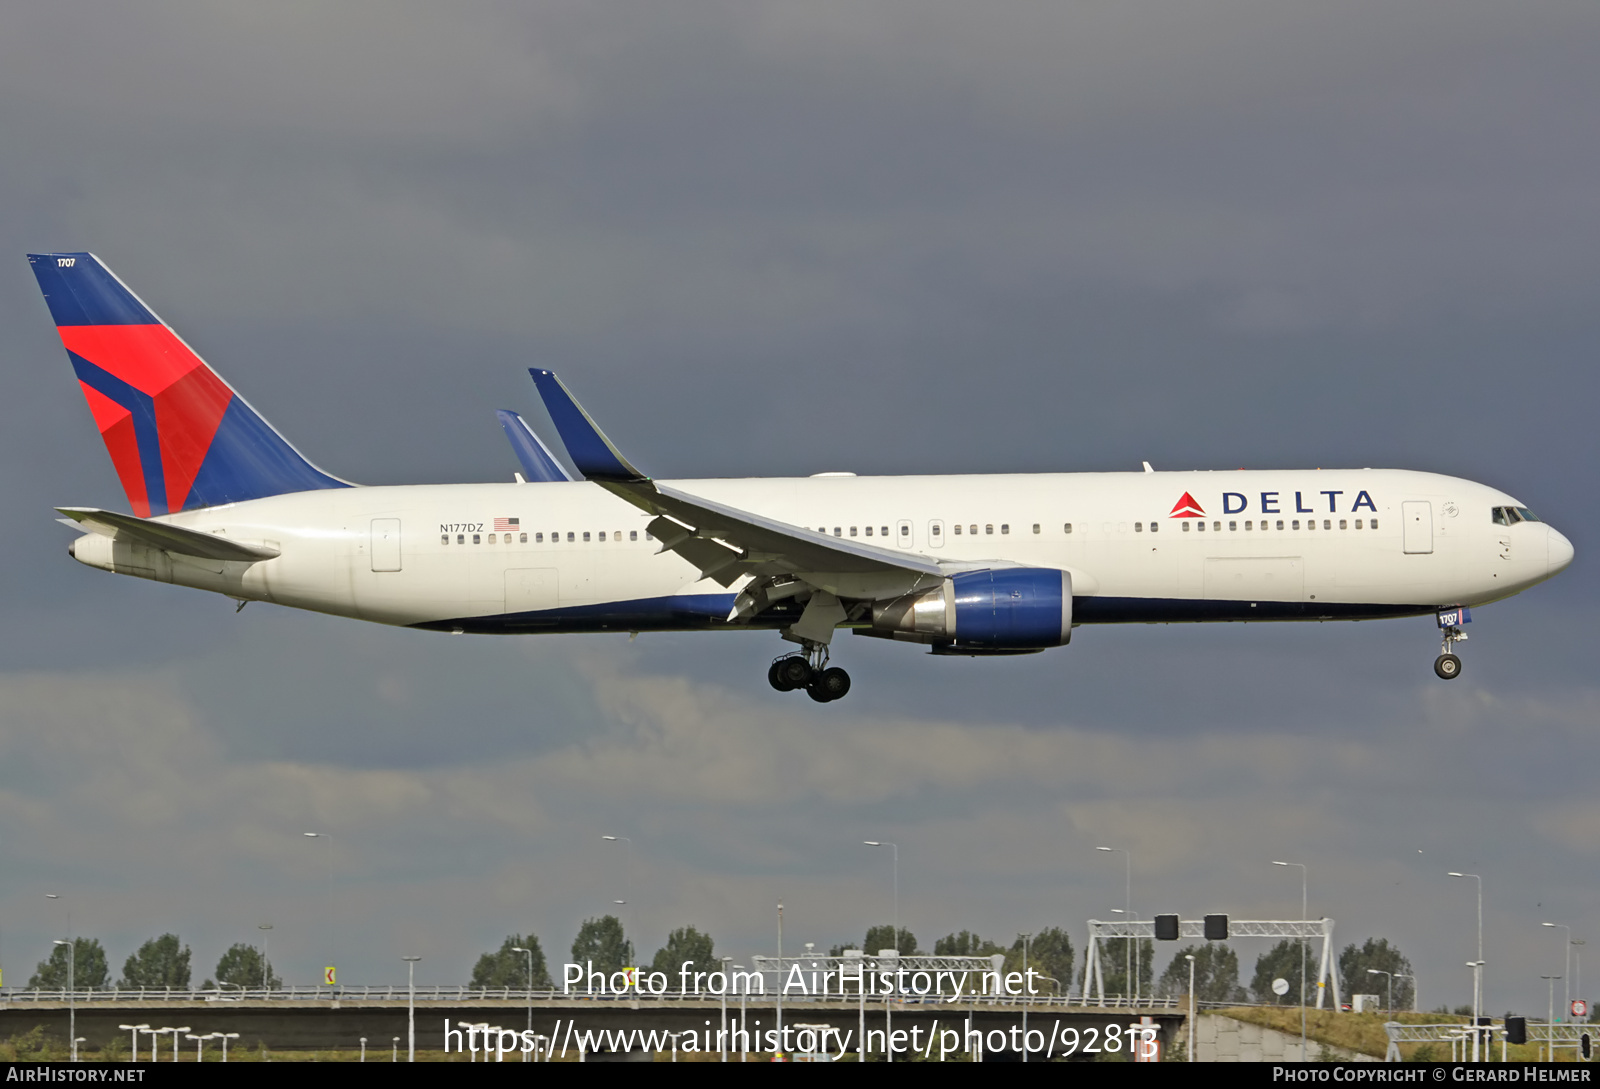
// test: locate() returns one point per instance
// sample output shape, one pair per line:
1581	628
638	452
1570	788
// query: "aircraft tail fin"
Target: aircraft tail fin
179	436
594	455
538	462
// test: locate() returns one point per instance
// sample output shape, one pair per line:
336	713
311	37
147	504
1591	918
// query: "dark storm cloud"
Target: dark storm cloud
781	239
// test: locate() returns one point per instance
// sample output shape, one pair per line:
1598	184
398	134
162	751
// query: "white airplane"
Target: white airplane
968	565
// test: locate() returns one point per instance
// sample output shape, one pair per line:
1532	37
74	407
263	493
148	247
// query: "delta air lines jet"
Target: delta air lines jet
967	565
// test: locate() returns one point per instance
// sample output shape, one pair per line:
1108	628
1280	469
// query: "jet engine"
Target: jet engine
996	610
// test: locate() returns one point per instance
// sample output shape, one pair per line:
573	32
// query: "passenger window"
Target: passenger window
570	537
1200	527
1186	527
1327	523
461	538
1154	526
1232	526
974	530
602	534
852	531
1005	528
1373	523
1066	527
1138	527
444	538
1342	524
869	531
1296	523
491	538
905	531
477	538
633	535
1358	523
956	529
1251	525
1216	527
989	529
883	531
1036	528
1280	523
935	529
522	538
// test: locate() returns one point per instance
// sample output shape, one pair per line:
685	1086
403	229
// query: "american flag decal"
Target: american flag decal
502	524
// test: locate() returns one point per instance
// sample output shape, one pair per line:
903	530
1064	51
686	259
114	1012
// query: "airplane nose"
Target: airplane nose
1559	551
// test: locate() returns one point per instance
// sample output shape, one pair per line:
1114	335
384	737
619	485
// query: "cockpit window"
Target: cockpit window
1500	518
1527	515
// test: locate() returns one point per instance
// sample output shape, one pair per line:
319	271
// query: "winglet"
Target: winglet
593	454
535	456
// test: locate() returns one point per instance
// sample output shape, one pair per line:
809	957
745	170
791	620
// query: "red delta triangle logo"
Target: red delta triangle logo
1187	508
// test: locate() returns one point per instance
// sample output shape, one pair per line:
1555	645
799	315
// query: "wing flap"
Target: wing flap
164	536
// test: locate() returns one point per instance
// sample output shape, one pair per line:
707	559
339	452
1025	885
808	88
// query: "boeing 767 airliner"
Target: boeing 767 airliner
968	565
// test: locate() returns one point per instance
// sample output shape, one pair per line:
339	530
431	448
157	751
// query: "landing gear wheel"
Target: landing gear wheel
831	684
1447	666
790	673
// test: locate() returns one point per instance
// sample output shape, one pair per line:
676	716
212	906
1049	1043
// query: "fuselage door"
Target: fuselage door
1416	520
936	534
385	544
902	534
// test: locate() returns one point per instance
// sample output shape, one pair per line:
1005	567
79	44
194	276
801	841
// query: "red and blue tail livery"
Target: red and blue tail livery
179	436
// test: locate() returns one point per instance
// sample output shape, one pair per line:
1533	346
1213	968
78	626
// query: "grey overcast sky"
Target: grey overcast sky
777	239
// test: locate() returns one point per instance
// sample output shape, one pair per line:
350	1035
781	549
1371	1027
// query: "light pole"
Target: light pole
411	1008
1194	1038
1130	966
328	839
1026	938
72	1009
199	1046
1550	1017
363	1049
225	1037
519	949
628	944
895	871
1302	866
726	978
1381	972
135	1029
1477	978
1416	989
175	1033
1566	964
266	964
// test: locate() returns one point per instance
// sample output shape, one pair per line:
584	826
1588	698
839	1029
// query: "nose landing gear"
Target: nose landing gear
809	670
1447	666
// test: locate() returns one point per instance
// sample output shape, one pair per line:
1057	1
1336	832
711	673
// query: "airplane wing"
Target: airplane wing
727	543
538	462
164	536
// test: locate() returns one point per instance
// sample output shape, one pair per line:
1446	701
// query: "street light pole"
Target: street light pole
411	1008
1302	866
1566	966
895	848
328	839
627	949
1477	979
266	963
1130	965
519	949
1380	972
1194	1040
72	1009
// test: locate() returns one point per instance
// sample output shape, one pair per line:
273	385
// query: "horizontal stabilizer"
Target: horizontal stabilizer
164	536
538	463
593	454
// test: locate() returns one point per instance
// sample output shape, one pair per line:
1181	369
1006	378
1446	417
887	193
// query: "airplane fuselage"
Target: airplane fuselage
1140	547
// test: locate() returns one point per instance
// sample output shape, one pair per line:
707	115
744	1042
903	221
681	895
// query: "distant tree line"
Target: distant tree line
159	963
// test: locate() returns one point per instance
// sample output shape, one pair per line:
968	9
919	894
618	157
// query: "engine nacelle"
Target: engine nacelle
1006	608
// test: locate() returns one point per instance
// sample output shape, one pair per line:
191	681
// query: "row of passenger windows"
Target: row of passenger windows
971	530
538	538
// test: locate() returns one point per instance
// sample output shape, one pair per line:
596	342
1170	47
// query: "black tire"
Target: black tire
775	676
794	671
831	684
1447	666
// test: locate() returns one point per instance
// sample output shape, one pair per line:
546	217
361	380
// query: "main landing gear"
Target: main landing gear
809	670
1447	665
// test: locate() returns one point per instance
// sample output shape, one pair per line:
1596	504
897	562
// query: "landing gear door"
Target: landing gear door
1416	520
